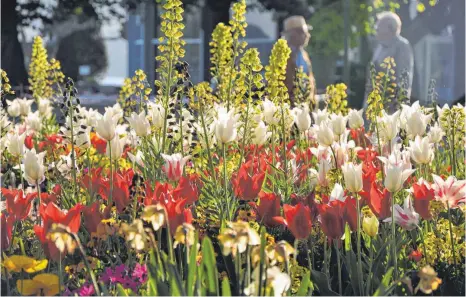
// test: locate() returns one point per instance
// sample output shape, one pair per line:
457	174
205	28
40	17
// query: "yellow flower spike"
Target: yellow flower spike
45	284
17	263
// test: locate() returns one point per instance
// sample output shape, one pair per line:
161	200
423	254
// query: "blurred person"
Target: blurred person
391	44
296	33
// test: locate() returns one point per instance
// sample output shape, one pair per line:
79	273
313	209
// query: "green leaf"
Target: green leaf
192	268
381	290
347	238
210	266
176	285
305	285
121	291
321	281
226	291
152	281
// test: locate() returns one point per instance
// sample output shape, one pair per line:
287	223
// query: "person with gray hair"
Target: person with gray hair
392	44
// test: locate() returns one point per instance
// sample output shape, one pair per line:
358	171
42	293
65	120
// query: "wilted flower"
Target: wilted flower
429	281
139	123
236	237
34	170
421	150
185	234
353	177
154	214
174	165
355	119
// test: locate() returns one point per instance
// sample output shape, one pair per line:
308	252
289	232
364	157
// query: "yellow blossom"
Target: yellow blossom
185	234
45	284
154	214
429	281
17	263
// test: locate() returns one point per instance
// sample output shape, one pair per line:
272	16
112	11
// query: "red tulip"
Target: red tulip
379	202
51	214
17	206
46	198
423	193
6	231
162	193
188	188
331	219
98	143
245	185
29	141
415	255
93	216
177	214
269	207
297	219
350	213
121	184
95	183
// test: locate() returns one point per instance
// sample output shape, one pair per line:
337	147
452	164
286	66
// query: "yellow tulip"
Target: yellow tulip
370	225
45	284
18	263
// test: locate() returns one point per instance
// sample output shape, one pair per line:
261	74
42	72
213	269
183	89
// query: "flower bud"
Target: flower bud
370	225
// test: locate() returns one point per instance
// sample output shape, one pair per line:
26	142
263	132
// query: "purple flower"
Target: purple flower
86	290
140	273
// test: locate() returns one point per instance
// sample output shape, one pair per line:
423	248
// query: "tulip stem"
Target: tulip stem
371	258
225	182
110	197
59	276
86	262
394	257
451	234
340	289
361	286
424	245
21	174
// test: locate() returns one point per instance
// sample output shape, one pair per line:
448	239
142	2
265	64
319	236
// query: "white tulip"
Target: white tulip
395	173
16	144
24	106
337	193
338	123
226	126
269	112
139	123
280	281
313	177
324	167
260	134
389	125
90	116
320	116
137	159
114	111
406	217
156	114
421	150
435	133
416	124
34	122
33	164
14	108
65	164
106	126
353	177
324	134
355	119
45	108
117	147
174	165
302	118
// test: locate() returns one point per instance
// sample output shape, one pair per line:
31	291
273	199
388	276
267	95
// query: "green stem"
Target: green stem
238	270
358	242
340	289
225	180
284	150
88	267
424	245
394	256
59	276
110	197
371	258
206	135
451	235
245	124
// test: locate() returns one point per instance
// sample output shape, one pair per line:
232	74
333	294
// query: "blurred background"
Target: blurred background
100	42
